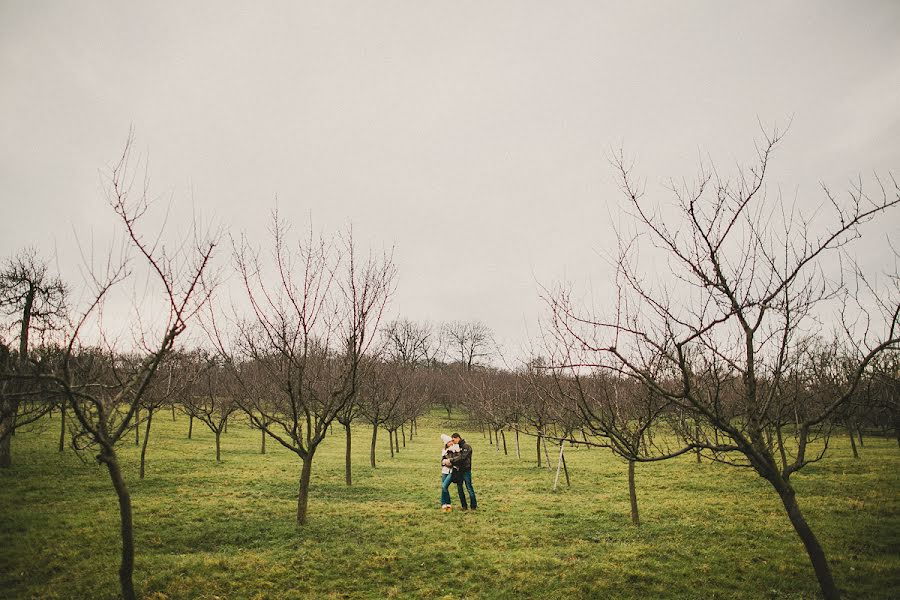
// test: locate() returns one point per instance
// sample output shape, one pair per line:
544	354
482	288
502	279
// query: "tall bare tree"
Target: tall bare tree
104	389
35	300
468	341
211	396
312	319
411	343
751	280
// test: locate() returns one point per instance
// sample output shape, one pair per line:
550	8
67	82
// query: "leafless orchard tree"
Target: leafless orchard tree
537	403
312	319
210	398
35	302
720	341
468	342
882	393
410	343
102	389
172	378
382	395
492	400
349	413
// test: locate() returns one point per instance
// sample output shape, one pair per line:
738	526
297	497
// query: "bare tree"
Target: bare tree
382	392
169	382
311	323
750	279
469	341
411	343
36	301
102	388
210	398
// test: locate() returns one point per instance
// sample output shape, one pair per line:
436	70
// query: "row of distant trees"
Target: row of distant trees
728	360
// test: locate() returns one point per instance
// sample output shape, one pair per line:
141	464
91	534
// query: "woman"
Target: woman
450	449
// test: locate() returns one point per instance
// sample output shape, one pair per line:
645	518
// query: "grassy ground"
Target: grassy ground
207	530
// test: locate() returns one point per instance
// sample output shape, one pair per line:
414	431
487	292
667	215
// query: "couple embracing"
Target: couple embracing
456	467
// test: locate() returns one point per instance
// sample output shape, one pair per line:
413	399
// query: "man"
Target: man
463	462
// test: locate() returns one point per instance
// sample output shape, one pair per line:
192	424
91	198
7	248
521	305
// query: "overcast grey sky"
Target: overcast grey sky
473	136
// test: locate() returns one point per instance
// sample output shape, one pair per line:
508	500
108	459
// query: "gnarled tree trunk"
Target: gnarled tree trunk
126	569
144	447
813	548
303	493
632	495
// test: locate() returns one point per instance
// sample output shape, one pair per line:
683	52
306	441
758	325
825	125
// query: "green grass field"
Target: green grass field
207	530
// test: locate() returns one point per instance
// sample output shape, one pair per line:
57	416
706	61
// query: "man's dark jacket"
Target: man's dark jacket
463	461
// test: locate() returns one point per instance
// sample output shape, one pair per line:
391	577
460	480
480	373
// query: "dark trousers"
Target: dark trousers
467	479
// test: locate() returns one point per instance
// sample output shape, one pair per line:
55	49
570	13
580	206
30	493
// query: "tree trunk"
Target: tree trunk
303	494
144	447
190	426
173	413
503	435
6	426
781	450
539	450
813	548
62	427
852	442
262	447
391	441
566	470
218	446
697	437
859	433
546	454
403	431
347	456
127	528
374	437
632	495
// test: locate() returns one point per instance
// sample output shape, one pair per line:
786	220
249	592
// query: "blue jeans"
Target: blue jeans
467	479
445	489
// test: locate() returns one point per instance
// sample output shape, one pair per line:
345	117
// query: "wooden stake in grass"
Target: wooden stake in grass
558	465
518	452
